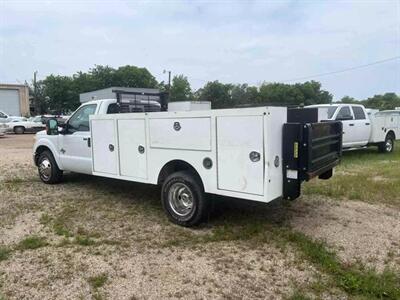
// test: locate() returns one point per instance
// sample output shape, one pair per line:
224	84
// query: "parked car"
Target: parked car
33	125
5	118
364	127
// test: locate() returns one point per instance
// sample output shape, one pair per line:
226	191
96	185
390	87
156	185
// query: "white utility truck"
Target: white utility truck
363	127
258	154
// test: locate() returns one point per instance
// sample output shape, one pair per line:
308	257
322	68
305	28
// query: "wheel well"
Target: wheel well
176	166
39	151
19	126
391	132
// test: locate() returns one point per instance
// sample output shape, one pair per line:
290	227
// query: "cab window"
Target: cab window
344	114
80	119
358	113
113	108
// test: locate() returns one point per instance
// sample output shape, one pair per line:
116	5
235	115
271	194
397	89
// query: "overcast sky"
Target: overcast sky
230	41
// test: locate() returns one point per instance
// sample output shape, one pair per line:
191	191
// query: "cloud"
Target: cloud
232	41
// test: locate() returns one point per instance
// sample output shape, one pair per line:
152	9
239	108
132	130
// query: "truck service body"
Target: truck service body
248	153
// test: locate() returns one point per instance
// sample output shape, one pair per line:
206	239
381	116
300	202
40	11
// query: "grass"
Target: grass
365	175
298	295
355	280
98	281
84	241
4	253
32	242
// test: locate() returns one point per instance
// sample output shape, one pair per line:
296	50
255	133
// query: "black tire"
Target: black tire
183	199
48	169
388	145
19	130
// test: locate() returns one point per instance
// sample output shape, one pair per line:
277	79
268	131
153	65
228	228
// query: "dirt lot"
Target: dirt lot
95	238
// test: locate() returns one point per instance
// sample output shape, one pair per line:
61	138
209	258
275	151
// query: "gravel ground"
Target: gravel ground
130	248
358	231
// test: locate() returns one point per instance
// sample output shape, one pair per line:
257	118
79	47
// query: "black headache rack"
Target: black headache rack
128	102
309	150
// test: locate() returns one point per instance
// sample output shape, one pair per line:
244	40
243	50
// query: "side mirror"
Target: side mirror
52	127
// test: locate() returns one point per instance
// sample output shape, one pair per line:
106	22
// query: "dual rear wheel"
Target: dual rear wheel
183	198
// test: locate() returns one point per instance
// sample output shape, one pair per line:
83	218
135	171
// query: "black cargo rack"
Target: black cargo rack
309	150
129	102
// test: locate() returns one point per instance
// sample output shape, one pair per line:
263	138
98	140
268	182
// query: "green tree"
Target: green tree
382	102
218	93
349	100
243	95
306	93
58	94
180	89
131	76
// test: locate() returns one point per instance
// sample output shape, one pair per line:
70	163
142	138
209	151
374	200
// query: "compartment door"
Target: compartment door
132	148
104	147
240	154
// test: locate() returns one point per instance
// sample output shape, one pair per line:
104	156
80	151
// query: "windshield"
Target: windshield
329	109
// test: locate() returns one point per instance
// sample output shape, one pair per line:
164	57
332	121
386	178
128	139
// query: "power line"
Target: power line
316	75
344	70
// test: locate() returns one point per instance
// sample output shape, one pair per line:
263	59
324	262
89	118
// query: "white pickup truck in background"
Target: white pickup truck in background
258	154
363	128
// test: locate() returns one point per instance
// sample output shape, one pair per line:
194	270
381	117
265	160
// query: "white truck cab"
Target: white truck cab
257	154
362	127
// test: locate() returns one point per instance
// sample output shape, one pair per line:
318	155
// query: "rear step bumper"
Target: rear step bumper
309	150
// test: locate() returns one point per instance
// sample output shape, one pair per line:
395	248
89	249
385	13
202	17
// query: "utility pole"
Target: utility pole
169	81
35	100
168	94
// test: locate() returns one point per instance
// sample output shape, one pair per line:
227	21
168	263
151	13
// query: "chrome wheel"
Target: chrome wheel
180	198
45	169
389	145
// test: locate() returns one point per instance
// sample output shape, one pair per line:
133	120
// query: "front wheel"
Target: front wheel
388	145
48	169
183	199
19	130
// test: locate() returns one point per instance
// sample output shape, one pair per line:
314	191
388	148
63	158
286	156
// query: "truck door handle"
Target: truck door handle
351	124
88	141
367	123
254	156
111	147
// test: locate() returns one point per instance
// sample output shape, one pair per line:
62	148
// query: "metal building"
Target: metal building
14	99
109	94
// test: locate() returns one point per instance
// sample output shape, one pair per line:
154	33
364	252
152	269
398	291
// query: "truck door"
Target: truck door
349	133
240	154
362	126
75	151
